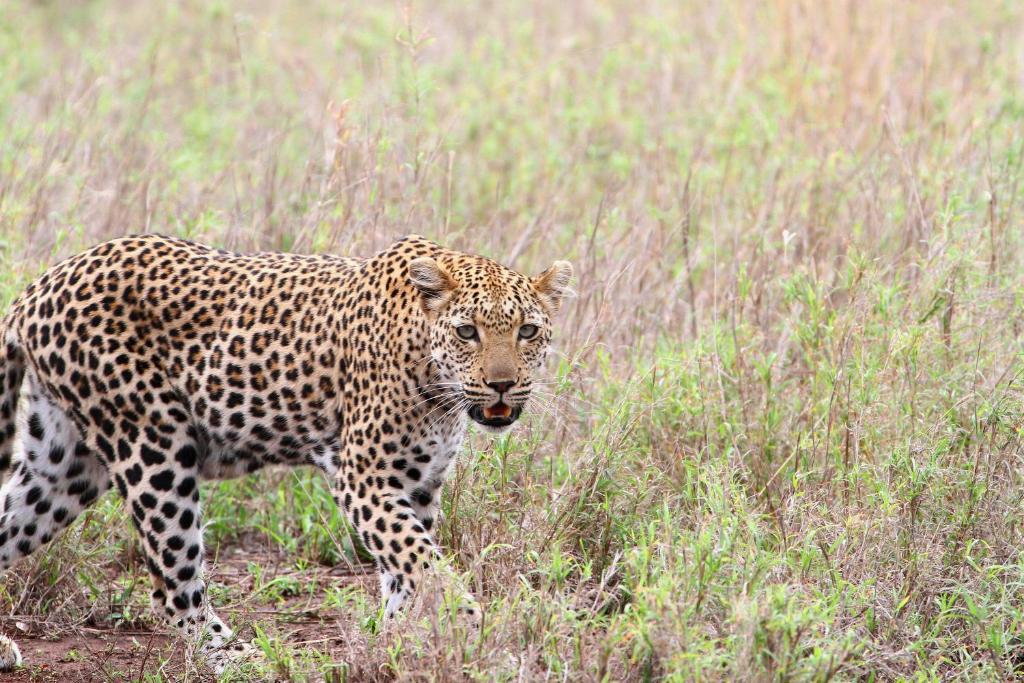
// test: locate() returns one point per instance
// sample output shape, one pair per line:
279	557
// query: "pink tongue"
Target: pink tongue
500	410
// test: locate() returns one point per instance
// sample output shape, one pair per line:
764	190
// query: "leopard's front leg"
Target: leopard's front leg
392	529
158	476
426	501
394	535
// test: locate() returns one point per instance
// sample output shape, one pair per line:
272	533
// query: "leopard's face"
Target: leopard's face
490	330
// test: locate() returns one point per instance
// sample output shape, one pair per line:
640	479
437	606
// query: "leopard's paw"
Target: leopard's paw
10	655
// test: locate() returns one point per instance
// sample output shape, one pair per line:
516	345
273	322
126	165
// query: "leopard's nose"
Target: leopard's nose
502	386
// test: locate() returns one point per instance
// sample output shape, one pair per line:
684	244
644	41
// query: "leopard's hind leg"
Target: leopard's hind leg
51	477
12	370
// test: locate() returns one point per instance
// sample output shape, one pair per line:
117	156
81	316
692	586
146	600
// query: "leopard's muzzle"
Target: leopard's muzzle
497	416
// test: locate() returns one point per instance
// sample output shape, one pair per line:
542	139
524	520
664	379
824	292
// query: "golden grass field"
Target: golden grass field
783	439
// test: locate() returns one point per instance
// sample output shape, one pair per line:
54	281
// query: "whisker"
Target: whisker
441	399
454	410
457	405
439	384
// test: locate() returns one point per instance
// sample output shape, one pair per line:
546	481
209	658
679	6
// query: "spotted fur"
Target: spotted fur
151	363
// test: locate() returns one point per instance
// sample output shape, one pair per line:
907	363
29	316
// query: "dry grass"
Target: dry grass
782	439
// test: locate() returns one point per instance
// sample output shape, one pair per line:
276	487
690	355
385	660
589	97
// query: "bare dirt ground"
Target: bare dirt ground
149	651
95	655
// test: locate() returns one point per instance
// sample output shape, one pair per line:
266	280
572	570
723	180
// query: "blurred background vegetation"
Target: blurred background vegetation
782	435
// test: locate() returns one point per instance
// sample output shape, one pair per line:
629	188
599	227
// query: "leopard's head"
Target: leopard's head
490	330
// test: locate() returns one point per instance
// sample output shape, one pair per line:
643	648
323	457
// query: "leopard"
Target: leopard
149	364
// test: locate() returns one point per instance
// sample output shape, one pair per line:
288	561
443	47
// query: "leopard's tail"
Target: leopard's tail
12	372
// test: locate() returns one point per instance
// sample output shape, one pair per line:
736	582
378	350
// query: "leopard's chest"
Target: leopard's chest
433	453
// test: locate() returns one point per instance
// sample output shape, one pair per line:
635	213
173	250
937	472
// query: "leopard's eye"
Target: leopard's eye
467	332
528	331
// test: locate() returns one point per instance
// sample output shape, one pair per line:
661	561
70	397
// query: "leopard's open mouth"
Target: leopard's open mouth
498	415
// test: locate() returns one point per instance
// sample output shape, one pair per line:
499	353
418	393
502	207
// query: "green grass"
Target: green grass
782	434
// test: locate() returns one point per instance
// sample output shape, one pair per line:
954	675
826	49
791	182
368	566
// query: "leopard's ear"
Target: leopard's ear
553	284
433	282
